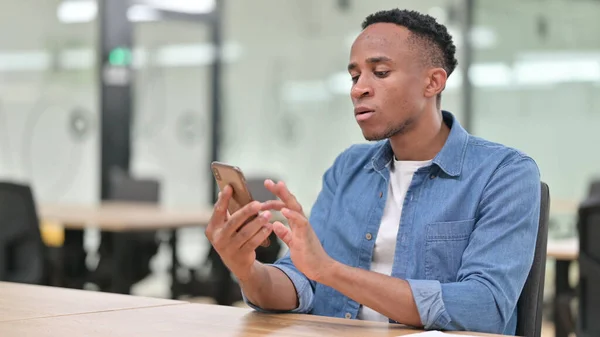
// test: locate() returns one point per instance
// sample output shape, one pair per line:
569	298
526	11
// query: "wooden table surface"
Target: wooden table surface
23	302
565	249
124	216
198	320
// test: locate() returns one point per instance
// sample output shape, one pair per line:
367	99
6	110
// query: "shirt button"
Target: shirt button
369	236
348	315
380	194
432	176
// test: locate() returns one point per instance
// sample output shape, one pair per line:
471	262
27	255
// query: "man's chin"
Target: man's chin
373	137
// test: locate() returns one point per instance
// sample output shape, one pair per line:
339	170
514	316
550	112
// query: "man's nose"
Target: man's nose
361	89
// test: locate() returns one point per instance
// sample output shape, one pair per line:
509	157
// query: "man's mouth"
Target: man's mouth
363	113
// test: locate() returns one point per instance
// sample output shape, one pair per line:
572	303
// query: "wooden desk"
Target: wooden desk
124	216
567	249
199	320
23	302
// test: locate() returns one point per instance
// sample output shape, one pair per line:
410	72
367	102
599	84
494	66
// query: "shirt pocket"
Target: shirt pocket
445	243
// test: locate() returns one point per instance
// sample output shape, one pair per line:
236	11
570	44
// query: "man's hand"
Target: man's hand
234	241
306	250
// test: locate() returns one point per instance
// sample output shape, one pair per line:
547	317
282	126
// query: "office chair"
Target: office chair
143	244
588	289
566	315
529	306
22	252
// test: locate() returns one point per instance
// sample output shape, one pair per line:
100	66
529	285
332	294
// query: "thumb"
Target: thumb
284	233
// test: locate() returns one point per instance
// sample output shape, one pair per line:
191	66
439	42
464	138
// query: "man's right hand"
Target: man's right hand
234	241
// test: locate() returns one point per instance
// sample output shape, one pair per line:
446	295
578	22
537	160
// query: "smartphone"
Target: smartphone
226	174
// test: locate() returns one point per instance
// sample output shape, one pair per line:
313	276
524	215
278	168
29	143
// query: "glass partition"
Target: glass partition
537	86
49	99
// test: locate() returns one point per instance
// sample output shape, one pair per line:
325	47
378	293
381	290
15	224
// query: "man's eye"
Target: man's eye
354	79
381	73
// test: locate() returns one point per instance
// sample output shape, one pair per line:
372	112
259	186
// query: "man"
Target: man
429	226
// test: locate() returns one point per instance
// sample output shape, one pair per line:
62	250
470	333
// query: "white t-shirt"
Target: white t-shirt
401	174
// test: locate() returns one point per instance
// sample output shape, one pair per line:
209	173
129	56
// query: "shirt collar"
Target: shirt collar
449	159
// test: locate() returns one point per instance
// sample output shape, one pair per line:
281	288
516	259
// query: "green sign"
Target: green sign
119	57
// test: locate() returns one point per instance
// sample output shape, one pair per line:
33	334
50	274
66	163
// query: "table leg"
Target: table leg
123	264
73	271
175	285
561	300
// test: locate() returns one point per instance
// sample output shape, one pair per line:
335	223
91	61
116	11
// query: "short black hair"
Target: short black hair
431	35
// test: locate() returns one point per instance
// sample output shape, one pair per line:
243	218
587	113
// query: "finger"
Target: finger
271	186
295	219
282	192
250	229
282	232
239	218
273	205
286	196
219	215
257	239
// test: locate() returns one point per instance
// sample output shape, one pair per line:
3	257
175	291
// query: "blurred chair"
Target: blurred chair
22	252
530	304
566	306
594	188
142	245
588	289
261	193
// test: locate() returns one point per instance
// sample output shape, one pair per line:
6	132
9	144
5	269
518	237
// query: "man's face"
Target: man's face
388	81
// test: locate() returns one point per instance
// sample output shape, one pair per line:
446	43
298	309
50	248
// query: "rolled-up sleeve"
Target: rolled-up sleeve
496	262
302	284
430	304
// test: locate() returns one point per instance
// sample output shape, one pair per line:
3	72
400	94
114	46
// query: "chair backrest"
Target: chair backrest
594	189
529	307
588	289
256	186
22	257
126	188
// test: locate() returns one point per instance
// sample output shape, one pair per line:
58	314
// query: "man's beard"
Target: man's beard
392	130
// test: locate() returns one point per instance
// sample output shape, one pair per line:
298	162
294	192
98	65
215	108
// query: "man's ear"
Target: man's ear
436	82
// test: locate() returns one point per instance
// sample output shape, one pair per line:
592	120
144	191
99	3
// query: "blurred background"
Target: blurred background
113	108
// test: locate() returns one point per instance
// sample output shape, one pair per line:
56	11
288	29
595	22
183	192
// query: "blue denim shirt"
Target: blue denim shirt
466	238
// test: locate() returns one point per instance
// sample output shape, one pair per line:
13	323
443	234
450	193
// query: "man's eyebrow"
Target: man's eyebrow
371	60
379	59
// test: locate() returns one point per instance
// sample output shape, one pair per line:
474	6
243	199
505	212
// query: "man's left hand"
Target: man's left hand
306	250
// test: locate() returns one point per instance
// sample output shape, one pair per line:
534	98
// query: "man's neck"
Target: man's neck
425	139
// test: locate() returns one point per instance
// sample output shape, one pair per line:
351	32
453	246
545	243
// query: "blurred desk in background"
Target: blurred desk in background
564	252
563	249
124	216
124	220
564	206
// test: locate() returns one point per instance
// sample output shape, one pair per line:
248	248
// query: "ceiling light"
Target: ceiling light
142	13
77	11
184	6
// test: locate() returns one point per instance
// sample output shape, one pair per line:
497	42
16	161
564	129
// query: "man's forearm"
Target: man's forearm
269	288
387	295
